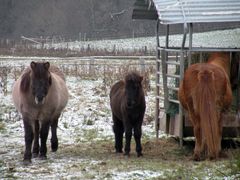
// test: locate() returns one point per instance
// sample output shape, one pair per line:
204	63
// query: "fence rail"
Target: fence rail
108	68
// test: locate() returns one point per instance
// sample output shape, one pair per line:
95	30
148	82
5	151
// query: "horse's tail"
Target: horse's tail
205	98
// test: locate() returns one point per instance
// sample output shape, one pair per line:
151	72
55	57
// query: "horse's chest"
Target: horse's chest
38	113
133	115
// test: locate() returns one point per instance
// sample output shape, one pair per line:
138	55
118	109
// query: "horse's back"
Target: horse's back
59	91
54	69
191	82
16	95
191	76
116	97
116	88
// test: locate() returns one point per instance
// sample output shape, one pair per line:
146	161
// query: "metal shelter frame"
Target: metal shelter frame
162	61
186	13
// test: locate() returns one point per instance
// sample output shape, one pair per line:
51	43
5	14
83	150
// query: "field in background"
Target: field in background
118	47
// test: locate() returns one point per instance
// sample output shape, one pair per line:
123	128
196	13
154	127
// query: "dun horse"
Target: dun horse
127	102
40	94
205	93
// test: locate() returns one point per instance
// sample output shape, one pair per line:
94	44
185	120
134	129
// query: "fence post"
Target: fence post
91	66
142	65
114	49
79	36
145	50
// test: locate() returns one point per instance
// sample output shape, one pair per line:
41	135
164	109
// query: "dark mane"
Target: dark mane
133	76
25	81
40	69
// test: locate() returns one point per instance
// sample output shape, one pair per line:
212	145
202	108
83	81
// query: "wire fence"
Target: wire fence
108	69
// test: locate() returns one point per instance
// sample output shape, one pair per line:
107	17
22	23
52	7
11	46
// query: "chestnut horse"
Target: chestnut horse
40	94
128	105
205	92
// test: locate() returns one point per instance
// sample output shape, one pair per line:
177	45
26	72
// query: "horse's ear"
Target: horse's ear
33	65
25	82
47	65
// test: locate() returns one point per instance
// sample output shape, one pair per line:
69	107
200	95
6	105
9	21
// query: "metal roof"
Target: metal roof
194	11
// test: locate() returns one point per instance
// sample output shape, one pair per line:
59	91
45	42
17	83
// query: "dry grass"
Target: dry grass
18	50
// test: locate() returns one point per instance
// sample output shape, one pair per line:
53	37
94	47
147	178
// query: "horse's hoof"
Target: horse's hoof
126	154
54	146
196	157
34	155
139	154
54	149
118	151
223	155
27	162
42	157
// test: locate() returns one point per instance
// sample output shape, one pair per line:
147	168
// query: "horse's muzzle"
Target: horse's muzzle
39	100
131	104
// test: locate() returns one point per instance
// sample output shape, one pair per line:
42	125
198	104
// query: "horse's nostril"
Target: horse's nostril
130	103
39	99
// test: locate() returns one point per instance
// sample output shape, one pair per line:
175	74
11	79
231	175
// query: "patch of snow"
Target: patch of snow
231	39
137	174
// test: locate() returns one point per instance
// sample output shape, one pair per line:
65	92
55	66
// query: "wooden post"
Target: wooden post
91	66
145	50
142	65
79	36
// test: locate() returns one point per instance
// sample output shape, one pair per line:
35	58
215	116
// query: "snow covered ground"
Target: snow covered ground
86	149
87	118
206	39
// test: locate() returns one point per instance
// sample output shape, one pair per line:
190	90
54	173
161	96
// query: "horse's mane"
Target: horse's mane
25	81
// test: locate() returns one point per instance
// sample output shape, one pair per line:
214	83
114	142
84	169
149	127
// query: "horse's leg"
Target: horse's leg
128	136
137	137
54	139
43	136
36	140
220	126
197	133
118	131
28	130
198	142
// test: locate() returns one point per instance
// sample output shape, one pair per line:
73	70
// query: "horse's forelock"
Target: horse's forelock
40	69
134	77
